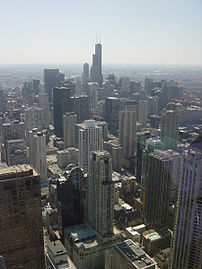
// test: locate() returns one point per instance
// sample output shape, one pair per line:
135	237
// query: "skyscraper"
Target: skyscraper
96	69
85	74
157	179
92	91
112	106
43	104
21	234
169	128
37	152
61	104
90	138
69	121
187	239
52	77
80	105
127	132
33	118
101	193
143	112
71	206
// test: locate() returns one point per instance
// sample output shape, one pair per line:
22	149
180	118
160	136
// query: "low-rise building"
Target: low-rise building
128	255
85	248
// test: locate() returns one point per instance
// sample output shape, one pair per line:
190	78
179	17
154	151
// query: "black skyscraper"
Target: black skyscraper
61	104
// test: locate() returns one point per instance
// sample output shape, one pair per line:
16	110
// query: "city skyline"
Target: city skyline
132	32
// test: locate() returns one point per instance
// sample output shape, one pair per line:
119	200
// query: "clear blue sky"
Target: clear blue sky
132	31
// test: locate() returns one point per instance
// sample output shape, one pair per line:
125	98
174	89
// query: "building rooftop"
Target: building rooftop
134	254
151	235
17	171
57	248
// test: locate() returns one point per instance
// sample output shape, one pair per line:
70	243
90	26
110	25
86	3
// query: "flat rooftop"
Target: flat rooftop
57	248
135	254
17	171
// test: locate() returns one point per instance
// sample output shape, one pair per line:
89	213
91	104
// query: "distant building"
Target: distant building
33	118
169	128
52	77
143	112
96	69
80	105
127	132
21	233
92	92
69	121
116	152
112	107
85	74
61	104
43	104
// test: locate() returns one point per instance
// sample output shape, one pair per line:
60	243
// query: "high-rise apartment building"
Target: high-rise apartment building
61	104
90	139
169	128
127	132
69	121
21	235
100	193
187	238
96	69
37	152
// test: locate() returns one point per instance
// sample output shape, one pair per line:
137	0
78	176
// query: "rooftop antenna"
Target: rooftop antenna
100	39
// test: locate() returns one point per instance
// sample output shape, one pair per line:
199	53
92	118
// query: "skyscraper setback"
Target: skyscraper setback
96	69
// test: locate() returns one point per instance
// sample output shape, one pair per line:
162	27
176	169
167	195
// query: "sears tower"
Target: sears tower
96	69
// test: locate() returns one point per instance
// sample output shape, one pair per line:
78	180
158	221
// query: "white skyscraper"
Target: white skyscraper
37	152
90	139
33	118
143	112
69	121
101	193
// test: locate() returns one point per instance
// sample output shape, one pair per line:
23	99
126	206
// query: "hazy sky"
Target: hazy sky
132	31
